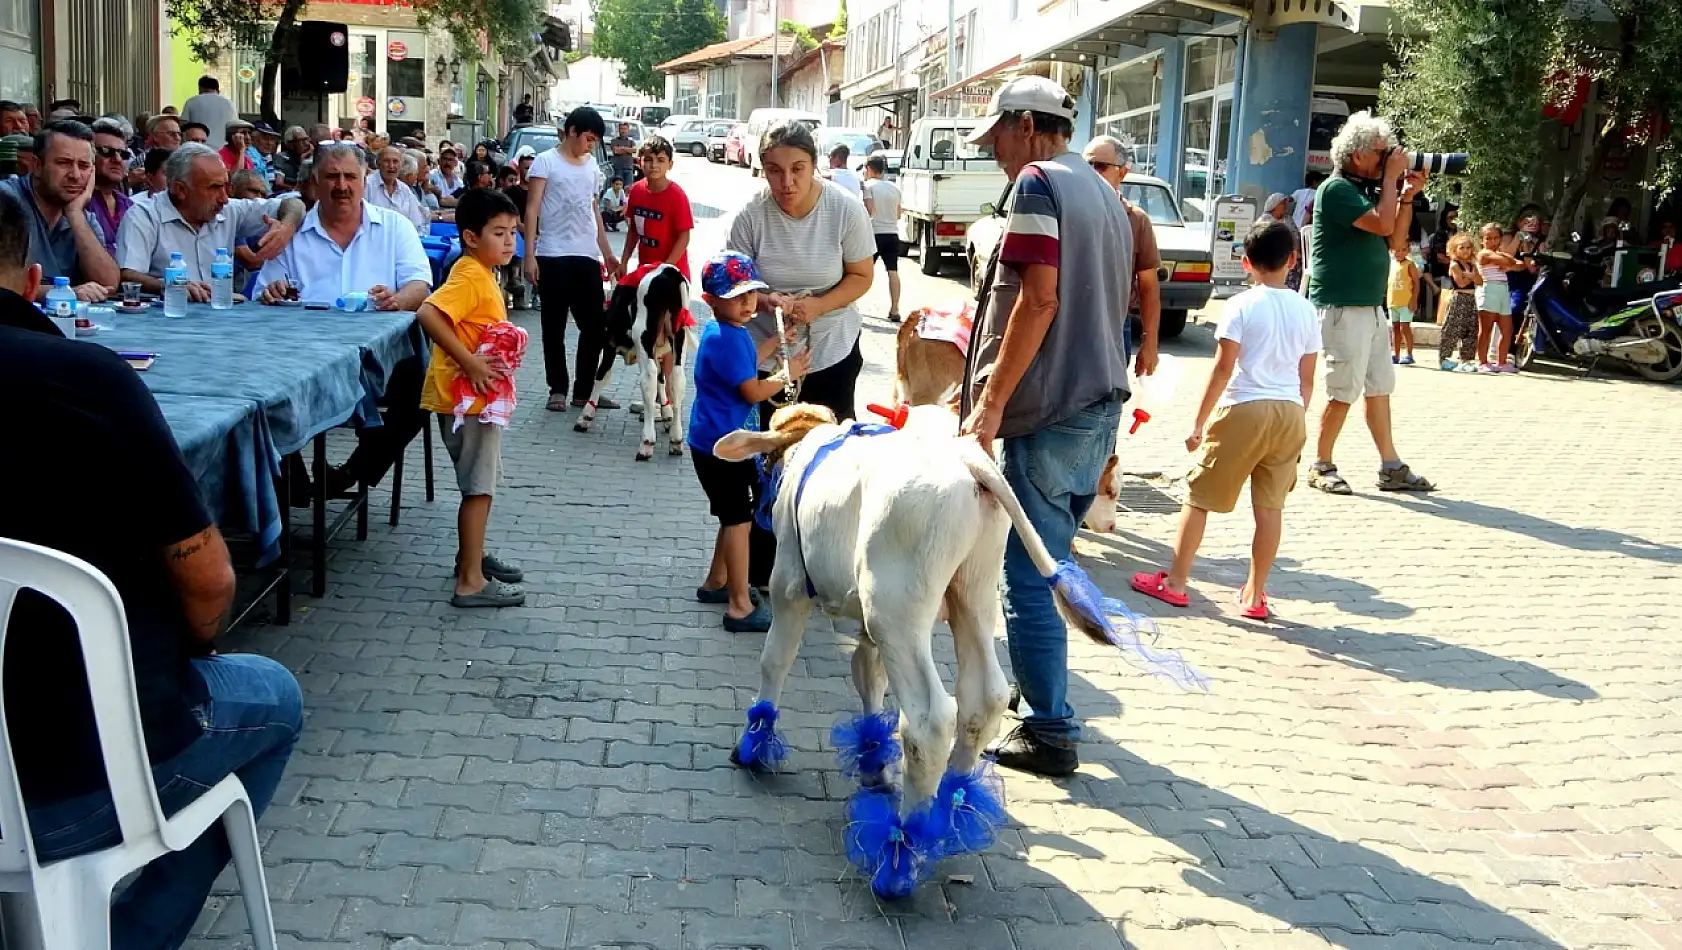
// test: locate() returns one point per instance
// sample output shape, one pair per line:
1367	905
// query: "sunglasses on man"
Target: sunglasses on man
106	151
1102	167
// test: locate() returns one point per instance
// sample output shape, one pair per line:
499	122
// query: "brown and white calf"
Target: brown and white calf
642	329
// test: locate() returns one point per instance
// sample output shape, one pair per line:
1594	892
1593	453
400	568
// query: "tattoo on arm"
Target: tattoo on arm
189	547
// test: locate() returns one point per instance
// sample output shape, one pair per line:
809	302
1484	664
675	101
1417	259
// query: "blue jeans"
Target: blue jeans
1054	473
251	721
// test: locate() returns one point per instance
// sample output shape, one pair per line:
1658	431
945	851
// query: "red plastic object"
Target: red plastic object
1140	417
894	417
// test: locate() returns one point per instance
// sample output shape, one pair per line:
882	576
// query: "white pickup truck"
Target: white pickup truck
943	185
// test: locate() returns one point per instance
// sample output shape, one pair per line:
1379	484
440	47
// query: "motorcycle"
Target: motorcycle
1570	318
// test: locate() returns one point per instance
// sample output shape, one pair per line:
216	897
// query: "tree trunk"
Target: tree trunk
271	61
1577	185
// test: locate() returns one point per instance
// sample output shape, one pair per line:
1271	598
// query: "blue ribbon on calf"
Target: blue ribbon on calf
1122	625
891	853
760	748
865	746
968	811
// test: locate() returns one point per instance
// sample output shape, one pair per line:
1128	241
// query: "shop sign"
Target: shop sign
395	106
397	51
365	106
1233	216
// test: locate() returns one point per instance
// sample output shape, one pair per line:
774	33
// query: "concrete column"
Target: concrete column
1271	121
1168	125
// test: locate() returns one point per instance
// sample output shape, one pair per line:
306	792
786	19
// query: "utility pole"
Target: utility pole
776	41
952	48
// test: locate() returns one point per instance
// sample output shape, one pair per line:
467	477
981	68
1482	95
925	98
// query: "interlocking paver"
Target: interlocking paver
1448	739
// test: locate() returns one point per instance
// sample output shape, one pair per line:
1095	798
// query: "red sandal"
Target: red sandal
1152	585
1258	612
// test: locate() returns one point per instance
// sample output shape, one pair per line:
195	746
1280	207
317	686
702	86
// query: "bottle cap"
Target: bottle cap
222	250
61	281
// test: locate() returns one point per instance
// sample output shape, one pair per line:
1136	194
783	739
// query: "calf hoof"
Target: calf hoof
676	448
646	452
581	426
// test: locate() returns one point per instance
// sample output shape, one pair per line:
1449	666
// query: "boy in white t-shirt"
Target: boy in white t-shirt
1258	394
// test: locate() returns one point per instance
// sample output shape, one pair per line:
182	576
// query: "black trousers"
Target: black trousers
377	448
833	387
571	284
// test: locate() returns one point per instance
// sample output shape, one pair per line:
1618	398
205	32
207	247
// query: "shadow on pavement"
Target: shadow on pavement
1414	658
1541	529
1132	552
1274	866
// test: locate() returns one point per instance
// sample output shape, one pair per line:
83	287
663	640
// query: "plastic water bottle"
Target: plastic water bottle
175	286
1152	394
61	306
222	281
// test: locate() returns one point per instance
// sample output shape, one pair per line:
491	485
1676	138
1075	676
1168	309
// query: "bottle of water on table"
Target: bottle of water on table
175	286
61	306
222	281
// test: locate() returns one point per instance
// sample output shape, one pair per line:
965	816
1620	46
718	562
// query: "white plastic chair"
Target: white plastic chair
65	905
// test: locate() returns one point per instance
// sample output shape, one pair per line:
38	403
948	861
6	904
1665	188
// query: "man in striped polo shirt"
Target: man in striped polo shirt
1047	373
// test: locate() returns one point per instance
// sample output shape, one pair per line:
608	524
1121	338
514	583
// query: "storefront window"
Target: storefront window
688	99
1209	63
1129	108
359	101
721	91
20	37
404	102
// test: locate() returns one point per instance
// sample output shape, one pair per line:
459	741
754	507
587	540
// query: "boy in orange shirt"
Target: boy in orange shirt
456	317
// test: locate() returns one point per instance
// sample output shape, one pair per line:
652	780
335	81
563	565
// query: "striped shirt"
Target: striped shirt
807	256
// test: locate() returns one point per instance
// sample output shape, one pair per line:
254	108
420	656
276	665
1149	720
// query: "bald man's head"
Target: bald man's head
1108	157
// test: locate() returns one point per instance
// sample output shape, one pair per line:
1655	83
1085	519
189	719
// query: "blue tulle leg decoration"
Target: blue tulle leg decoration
865	746
760	748
968	811
891	853
1123	627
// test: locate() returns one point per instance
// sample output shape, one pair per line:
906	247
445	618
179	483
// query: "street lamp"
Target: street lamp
439	67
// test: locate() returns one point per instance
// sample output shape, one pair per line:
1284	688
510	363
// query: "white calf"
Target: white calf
642	328
886	529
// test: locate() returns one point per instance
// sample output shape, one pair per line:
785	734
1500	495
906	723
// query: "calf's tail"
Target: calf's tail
1078	599
1104	620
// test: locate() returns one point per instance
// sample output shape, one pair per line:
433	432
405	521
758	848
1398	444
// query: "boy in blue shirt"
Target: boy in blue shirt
727	391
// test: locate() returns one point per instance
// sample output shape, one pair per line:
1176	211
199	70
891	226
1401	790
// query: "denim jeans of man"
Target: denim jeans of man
251	722
1054	473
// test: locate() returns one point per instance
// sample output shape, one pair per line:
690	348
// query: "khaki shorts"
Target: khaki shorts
1259	442
1357	345
476	450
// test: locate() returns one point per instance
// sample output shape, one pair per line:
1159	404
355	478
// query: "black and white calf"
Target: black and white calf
642	328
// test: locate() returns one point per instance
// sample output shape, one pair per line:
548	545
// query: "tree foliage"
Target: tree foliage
840	21
214	26
1474	75
642	34
802	36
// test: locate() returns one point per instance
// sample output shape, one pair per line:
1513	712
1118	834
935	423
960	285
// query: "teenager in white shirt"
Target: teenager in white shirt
842	175
567	244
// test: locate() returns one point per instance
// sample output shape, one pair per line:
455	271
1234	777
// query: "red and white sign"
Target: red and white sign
397	51
365	106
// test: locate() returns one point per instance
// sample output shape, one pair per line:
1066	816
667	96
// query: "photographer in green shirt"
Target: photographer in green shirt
1360	212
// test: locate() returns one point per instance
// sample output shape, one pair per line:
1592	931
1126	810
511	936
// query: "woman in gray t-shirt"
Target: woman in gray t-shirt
813	244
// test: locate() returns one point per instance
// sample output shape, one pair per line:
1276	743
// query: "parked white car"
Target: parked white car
1184	274
691	137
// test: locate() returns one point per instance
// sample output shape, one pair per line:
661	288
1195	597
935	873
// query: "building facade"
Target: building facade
106	54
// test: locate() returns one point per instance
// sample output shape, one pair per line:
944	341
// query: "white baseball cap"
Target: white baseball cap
1024	93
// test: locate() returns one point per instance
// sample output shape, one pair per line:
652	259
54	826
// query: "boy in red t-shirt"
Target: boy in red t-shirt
658	223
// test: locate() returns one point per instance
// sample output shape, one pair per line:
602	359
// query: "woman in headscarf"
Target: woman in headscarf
1278	208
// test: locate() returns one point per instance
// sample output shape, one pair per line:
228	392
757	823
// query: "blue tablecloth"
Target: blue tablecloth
300	371
229	451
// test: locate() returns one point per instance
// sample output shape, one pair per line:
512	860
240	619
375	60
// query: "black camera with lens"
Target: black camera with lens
1431	163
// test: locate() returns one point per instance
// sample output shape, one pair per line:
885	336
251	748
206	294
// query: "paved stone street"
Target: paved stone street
1464	730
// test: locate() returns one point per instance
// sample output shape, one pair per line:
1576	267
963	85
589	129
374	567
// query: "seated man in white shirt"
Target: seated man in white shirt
347	245
194	218
385	188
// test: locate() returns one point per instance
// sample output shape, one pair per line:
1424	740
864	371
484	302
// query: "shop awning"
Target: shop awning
1106	30
993	72
886	98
